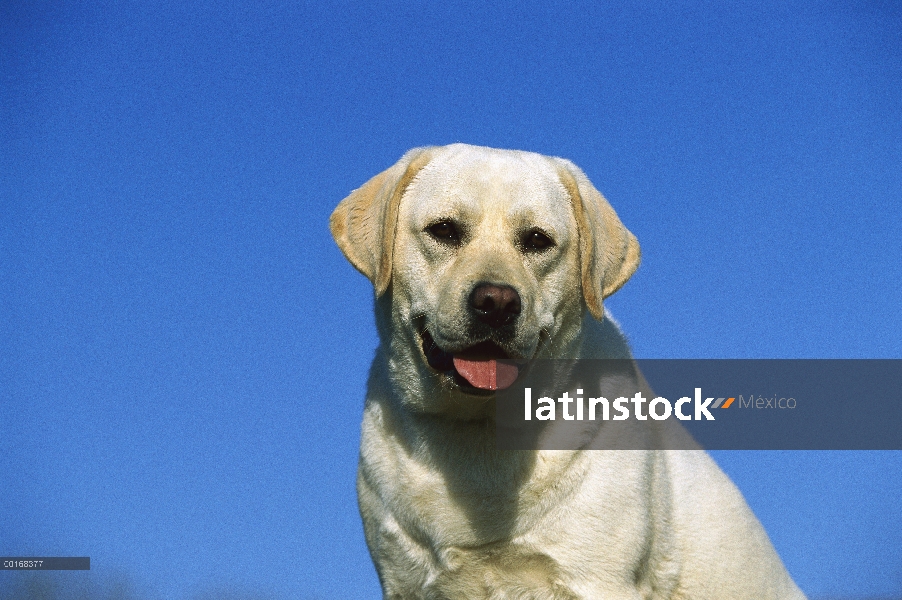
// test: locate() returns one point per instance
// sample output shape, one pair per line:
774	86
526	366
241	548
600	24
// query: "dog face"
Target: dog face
486	264
481	255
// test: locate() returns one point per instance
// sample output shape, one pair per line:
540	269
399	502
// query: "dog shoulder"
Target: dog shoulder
604	339
720	539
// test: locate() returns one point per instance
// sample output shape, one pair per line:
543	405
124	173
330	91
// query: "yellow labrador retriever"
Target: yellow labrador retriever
478	255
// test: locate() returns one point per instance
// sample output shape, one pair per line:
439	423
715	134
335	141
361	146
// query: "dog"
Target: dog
478	255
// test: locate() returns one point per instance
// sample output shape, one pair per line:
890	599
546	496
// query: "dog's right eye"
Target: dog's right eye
445	232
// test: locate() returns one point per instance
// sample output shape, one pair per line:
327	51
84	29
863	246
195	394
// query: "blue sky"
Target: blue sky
183	350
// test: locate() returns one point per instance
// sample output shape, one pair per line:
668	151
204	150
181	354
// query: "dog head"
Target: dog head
478	256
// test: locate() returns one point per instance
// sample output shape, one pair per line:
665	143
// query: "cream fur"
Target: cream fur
446	514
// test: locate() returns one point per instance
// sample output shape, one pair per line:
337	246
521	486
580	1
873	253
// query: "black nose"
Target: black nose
495	305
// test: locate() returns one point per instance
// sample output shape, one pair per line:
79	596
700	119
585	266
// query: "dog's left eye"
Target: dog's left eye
535	241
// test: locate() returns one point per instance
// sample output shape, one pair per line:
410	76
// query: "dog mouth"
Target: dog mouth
482	368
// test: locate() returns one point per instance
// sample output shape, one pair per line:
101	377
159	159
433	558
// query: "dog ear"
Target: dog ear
608	253
364	223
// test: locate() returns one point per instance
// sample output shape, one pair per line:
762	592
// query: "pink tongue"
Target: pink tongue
486	374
